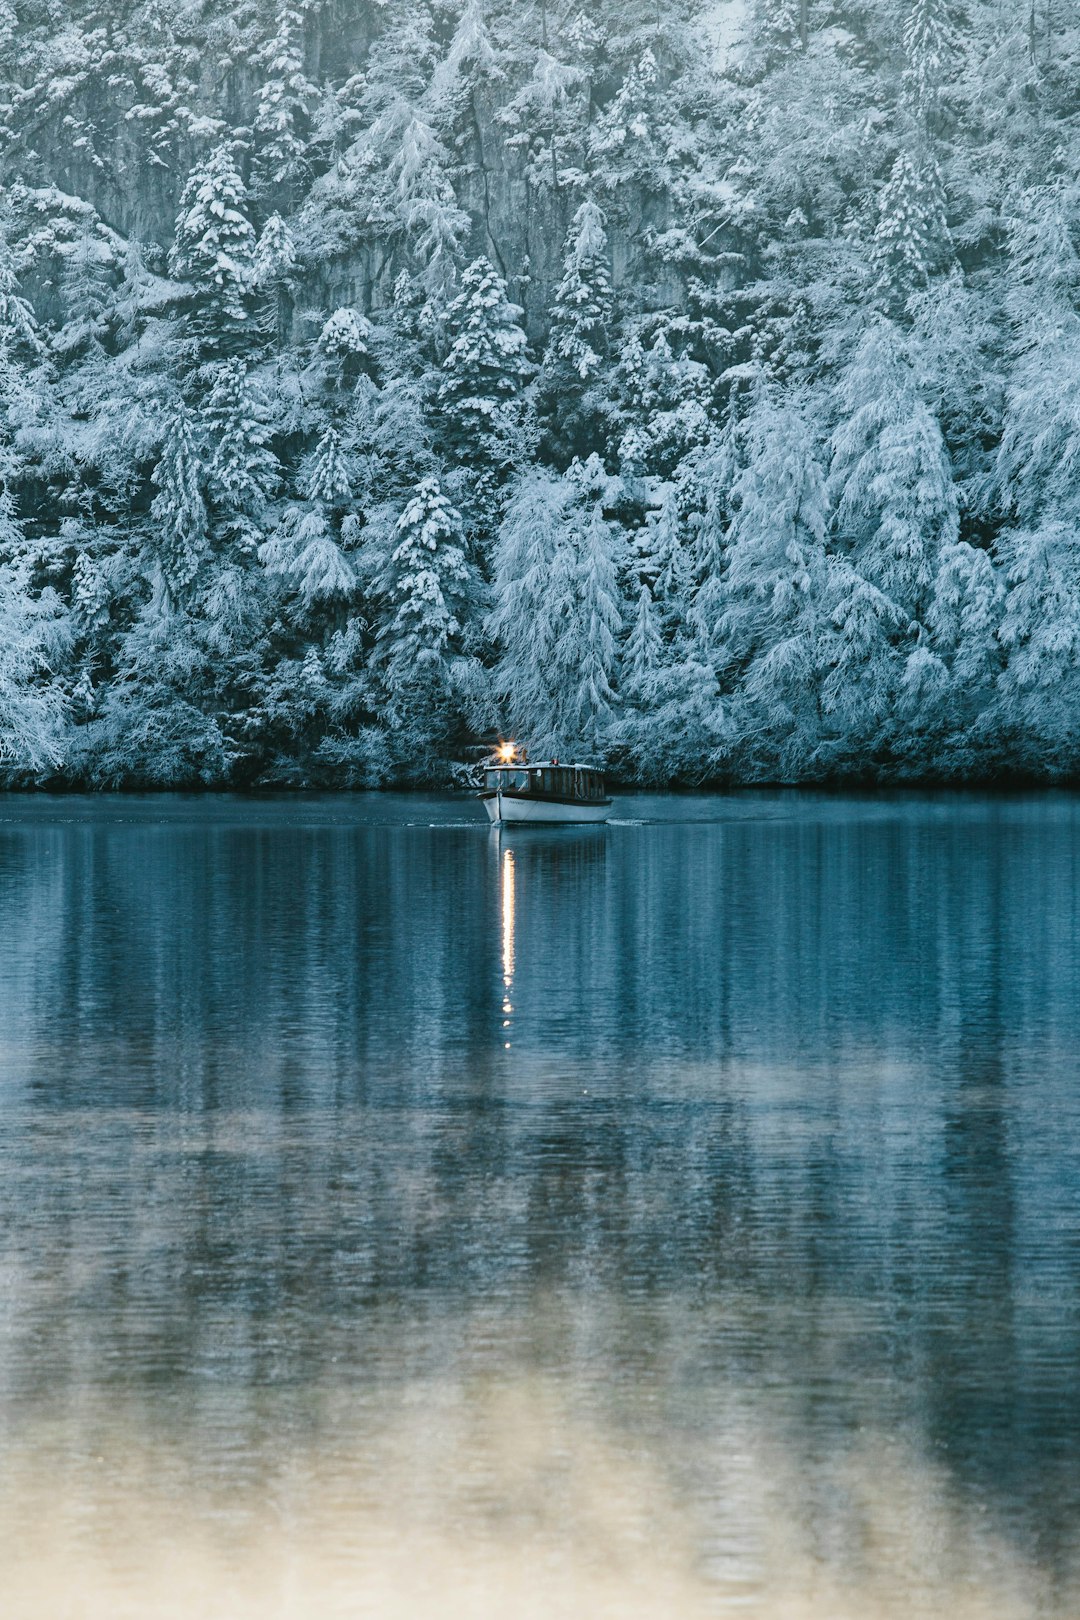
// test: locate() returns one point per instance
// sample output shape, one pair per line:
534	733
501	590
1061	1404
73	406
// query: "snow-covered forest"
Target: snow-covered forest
691	383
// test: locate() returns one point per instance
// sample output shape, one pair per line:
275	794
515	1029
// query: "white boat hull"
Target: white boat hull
503	809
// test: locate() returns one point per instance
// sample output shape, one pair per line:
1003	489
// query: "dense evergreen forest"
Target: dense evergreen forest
693	383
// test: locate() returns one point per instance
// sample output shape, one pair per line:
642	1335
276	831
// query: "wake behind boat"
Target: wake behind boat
517	790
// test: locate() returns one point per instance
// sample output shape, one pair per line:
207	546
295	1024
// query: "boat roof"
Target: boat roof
534	764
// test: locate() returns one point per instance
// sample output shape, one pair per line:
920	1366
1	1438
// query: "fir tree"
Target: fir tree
775	582
303	552
582	311
643	652
533	592
33	712
85	288
911	239
243	471
328	476
486	365
424	203
18	326
214	248
928	45
586	651
425	587
179	537
890	482
285	101
1038	459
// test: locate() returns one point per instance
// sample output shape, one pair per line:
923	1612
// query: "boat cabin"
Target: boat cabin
547	780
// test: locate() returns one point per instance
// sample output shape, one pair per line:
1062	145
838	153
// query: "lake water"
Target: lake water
676	1219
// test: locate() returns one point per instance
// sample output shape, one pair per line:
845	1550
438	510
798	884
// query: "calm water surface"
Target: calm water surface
678	1218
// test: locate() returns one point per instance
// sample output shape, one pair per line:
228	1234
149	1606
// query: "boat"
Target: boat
516	789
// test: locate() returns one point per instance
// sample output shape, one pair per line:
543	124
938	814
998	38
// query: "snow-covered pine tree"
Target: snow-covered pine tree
1038	460
423	200
426	587
911	239
272	267
304	553
214	248
715	473
327	474
471	59
964	618
890	480
33	710
486	364
532	593
582	312
178	538
85	289
1039	689
586	651
929	43
626	143
579	339
643	652
775	588
18	326
778	26
285	102
243	472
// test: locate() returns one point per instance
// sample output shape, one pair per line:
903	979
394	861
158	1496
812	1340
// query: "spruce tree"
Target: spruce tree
285	101
587	647
178	540
243	471
328	476
911	239
582	311
303	552
890	481
214	248
85	290
532	593
929	43
425	587
486	364
775	585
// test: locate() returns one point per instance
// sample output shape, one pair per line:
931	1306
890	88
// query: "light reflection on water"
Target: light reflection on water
744	1279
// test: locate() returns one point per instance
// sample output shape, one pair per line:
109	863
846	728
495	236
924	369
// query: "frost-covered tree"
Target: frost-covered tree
486	363
1038	460
425	586
285	102
890	481
33	638
582	312
178	538
776	584
422	198
643	652
929	43
532	593
586	650
214	247
911	238
305	555
243	471
328	475
1040	631
85	288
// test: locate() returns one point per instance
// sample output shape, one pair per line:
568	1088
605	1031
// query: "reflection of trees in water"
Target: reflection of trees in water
787	1109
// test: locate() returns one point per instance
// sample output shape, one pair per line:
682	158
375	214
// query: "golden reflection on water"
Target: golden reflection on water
506	894
497	1497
